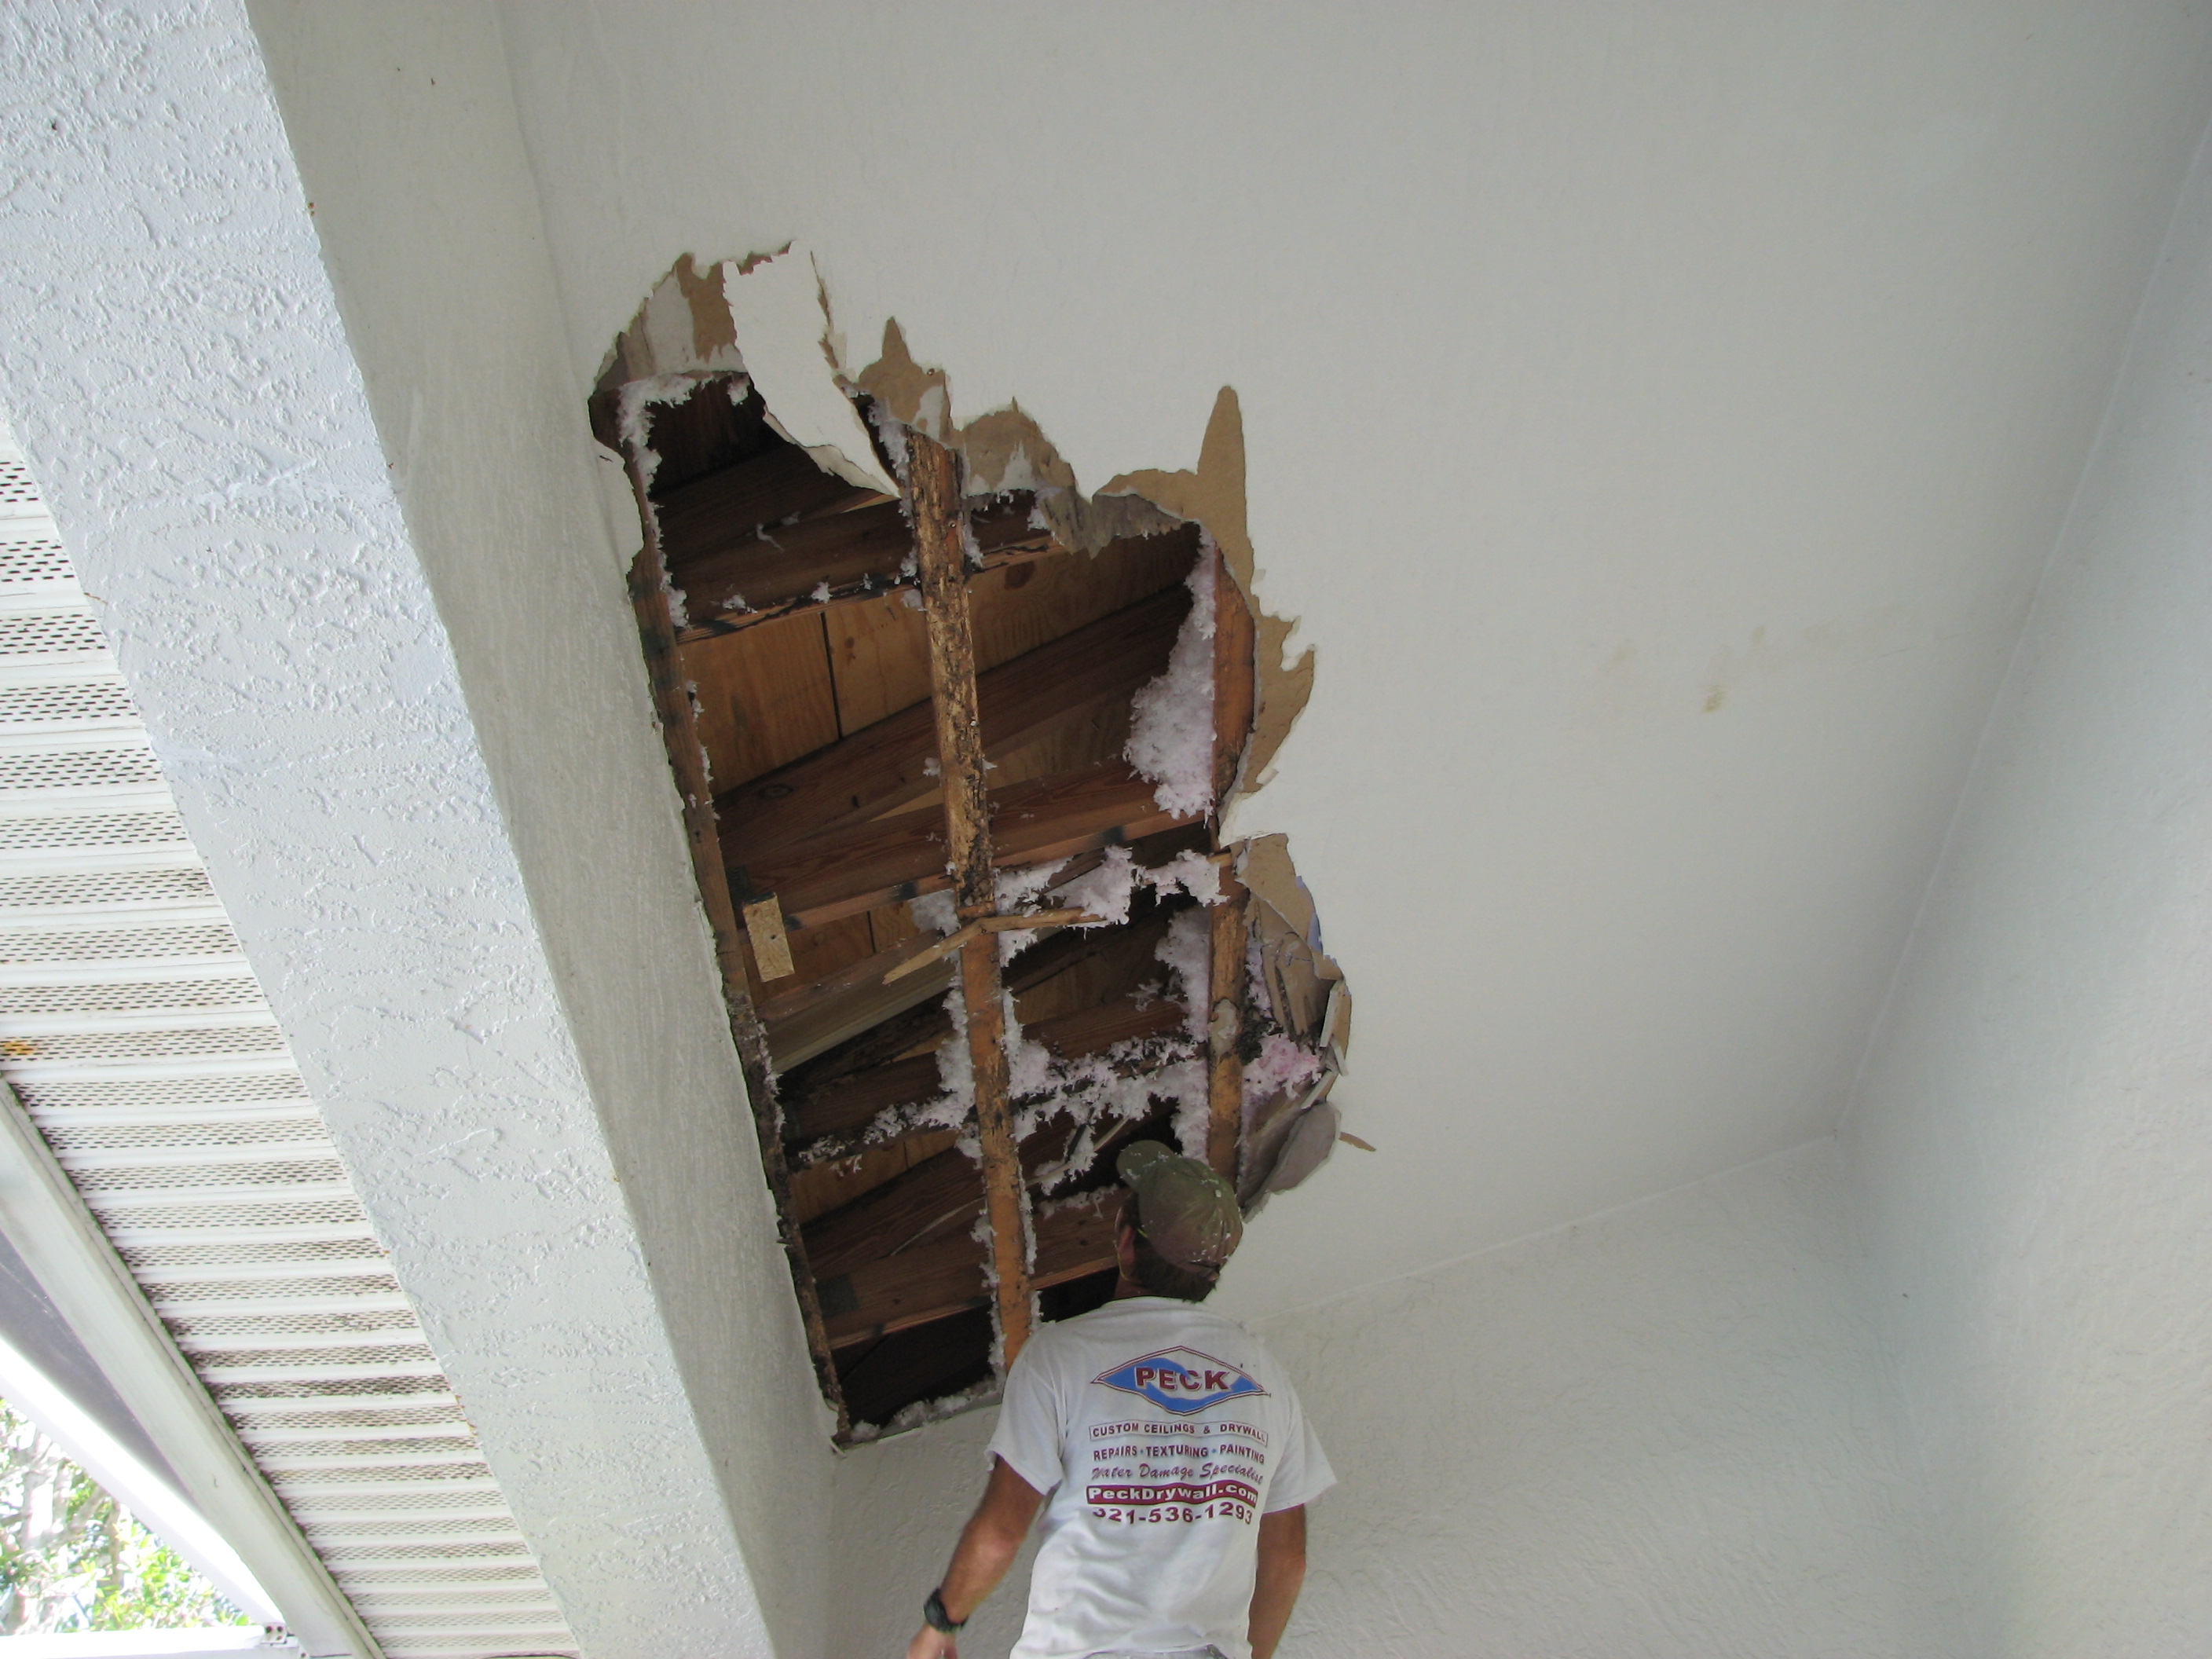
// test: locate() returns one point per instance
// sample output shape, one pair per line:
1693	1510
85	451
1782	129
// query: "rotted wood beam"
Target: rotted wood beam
933	497
687	759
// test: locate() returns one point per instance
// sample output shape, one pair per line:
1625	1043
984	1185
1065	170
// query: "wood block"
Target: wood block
771	948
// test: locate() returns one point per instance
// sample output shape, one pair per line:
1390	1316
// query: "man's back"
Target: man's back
1164	1432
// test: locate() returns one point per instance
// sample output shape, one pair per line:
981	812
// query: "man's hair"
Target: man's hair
1158	1276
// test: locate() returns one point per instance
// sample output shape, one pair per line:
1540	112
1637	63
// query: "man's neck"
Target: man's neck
1126	1287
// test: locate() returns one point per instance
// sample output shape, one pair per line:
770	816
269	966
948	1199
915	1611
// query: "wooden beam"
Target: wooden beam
1073	956
918	1286
813	1019
940	536
854	869
937	1193
884	765
687	760
1019	921
1235	675
851	1103
720	511
857	555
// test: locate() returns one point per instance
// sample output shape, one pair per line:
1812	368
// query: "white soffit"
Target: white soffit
139	1042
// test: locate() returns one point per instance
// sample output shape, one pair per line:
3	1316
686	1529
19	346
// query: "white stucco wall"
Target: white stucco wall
1659	414
372	613
2031	1134
1666	1433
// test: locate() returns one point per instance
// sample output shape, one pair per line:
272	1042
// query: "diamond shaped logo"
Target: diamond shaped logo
1180	1380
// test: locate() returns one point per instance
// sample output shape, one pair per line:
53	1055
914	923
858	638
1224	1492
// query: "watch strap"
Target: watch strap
934	1615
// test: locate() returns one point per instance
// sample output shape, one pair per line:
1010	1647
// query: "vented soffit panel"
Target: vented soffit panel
136	1037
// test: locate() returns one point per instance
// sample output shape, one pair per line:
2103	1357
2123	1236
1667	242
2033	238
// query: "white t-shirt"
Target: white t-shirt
1162	1433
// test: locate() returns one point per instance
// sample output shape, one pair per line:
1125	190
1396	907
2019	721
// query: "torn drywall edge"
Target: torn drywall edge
684	327
779	306
1285	914
1003	450
774	306
1214	496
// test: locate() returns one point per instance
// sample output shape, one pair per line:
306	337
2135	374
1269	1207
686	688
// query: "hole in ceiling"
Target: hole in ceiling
1126	692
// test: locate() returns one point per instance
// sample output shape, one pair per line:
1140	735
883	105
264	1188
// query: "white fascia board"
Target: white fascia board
76	1265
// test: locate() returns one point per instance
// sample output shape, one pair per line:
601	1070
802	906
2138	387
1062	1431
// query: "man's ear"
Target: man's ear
1125	1246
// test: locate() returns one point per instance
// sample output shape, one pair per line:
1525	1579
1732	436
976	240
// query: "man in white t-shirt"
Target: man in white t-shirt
1175	1455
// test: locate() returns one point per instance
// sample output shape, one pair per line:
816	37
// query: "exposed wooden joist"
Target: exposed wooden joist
855	869
882	766
937	1194
918	1286
687	759
813	1019
940	536
721	510
1235	678
860	554
854	1102
1072	959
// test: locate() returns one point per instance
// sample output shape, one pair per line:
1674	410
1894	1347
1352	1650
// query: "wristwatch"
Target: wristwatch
934	1615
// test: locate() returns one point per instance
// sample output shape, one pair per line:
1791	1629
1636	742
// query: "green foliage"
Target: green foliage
72	1559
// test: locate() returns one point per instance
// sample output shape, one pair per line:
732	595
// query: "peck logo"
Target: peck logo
1181	1380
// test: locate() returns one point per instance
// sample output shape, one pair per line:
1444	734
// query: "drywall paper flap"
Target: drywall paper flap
1307	1147
775	309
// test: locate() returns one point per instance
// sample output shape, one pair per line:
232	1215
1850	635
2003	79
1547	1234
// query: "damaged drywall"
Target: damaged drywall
745	538
691	323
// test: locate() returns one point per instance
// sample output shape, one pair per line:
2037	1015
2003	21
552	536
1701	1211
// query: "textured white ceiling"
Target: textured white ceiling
1659	415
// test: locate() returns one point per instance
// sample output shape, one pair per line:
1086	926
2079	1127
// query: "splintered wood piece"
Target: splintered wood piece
856	868
771	946
936	1281
850	554
687	759
940	536
884	765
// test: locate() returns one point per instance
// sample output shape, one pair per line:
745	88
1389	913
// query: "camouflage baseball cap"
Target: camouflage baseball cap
1188	1213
